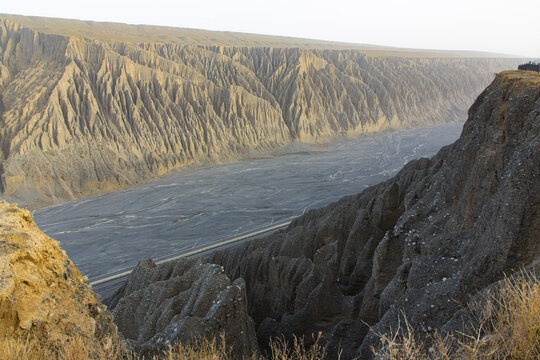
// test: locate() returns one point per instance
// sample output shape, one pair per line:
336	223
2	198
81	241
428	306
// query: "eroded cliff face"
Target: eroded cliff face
422	243
42	293
81	115
184	301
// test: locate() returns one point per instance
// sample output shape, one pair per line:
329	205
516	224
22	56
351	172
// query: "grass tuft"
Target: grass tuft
208	349
507	327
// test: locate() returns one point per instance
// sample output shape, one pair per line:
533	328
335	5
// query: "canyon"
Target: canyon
422	244
88	108
189	209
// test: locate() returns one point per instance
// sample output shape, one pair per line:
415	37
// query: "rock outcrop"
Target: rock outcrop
88	107
422	243
187	300
42	293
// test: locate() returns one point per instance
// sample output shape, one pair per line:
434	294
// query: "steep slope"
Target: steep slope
42	294
88	107
185	301
422	243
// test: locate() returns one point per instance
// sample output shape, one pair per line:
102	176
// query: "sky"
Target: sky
501	26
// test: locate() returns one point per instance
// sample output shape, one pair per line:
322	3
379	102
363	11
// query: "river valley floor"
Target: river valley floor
190	209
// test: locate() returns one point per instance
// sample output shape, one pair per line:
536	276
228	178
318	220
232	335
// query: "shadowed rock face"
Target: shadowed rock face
84	112
422	243
186	301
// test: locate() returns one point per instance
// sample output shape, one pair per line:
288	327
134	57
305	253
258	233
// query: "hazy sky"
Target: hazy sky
511	27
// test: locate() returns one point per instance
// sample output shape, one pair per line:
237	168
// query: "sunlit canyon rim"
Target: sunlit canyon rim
89	107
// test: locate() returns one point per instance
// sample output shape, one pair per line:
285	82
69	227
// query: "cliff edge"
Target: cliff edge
420	244
42	294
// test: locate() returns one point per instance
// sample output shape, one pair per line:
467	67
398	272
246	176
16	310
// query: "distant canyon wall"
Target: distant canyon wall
82	116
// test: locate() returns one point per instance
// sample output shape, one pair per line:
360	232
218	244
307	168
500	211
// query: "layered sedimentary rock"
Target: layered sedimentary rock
42	293
420	244
89	107
187	301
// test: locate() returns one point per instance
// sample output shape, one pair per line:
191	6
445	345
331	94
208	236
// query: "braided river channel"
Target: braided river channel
192	208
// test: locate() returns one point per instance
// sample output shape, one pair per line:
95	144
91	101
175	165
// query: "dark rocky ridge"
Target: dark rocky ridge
85	108
184	301
422	243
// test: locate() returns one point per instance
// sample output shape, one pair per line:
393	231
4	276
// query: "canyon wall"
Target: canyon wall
421	244
85	111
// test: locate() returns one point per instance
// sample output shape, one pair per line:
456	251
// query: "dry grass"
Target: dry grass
520	78
206	349
13	349
77	348
400	344
507	327
215	349
280	350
